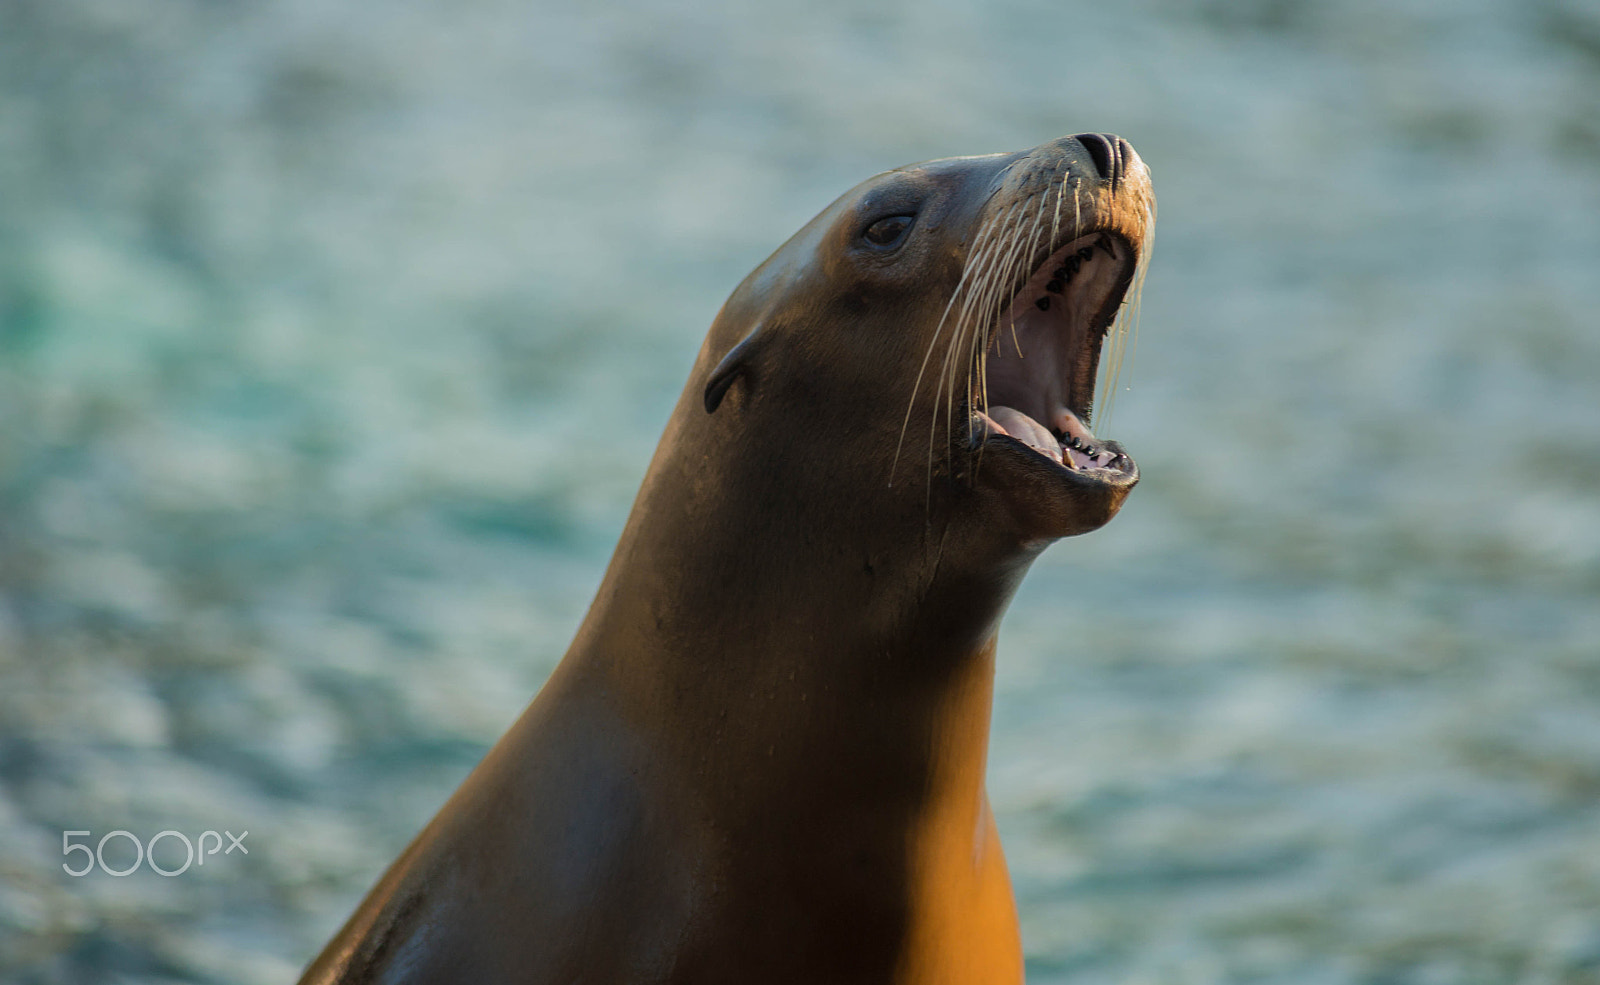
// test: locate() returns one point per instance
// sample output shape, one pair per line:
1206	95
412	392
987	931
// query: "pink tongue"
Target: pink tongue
1027	430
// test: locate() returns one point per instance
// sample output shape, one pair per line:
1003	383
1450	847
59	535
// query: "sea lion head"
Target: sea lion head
939	328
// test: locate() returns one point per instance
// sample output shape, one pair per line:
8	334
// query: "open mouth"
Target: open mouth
1038	379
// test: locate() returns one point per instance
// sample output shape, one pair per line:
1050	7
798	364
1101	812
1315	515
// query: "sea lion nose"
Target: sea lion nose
1109	152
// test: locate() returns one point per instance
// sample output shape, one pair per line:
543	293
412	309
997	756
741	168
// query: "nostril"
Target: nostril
1101	151
1107	152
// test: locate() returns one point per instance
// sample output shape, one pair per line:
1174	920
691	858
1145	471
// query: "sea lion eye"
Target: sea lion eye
889	231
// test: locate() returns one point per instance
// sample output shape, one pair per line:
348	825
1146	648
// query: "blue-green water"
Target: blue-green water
334	339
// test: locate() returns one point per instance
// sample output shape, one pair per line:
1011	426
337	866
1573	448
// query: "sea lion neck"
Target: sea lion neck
805	631
794	572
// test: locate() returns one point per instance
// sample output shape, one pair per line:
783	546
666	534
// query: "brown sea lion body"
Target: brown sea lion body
762	759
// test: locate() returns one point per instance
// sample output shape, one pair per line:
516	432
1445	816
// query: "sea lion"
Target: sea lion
762	759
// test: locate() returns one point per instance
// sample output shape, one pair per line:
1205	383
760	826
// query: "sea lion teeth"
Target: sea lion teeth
1104	243
1043	304
1070	427
1086	254
1054	287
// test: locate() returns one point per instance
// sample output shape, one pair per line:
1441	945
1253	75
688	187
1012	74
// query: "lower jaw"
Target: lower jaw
1068	443
1045	501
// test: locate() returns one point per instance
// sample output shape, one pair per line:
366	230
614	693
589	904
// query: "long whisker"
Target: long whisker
1077	207
994	303
981	312
916	385
1124	331
968	331
977	314
1031	251
984	270
1055	219
982	241
1115	350
953	367
985	243
1000	296
999	301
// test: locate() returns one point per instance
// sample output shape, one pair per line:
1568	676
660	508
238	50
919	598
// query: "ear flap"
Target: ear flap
736	362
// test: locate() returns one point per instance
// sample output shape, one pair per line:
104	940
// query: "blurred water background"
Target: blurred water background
335	337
